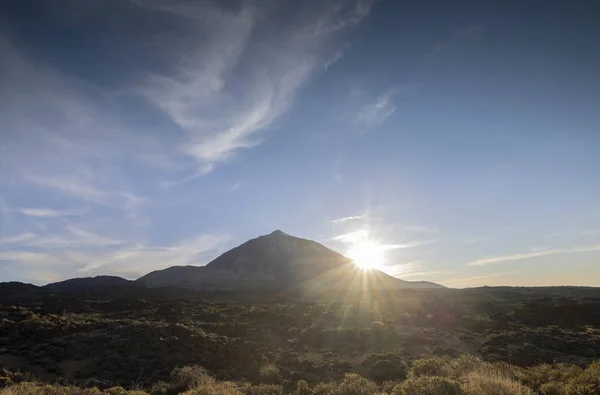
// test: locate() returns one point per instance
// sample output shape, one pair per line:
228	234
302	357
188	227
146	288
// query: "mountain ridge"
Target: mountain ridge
271	261
275	261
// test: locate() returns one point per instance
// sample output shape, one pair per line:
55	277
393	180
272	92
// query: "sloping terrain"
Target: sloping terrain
87	283
276	261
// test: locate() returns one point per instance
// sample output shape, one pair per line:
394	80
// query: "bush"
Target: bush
268	374
187	377
264	389
302	388
352	384
30	388
553	388
385	367
428	386
212	387
479	383
587	383
437	366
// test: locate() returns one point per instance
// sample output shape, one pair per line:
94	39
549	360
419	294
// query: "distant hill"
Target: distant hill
15	286
276	261
87	283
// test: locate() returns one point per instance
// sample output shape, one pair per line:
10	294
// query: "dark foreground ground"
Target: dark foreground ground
479	341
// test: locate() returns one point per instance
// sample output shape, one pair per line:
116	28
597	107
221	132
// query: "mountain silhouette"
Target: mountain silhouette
87	283
276	261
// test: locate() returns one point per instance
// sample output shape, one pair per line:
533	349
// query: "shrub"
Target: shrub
426	385
188	377
437	366
264	389
537	376
302	388
553	388
352	384
324	388
213	387
478	383
385	369
587	383
268	374
122	391
30	388
389	385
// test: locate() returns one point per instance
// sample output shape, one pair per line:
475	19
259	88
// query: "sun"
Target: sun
367	254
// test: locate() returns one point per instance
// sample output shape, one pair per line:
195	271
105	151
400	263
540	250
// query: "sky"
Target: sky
457	143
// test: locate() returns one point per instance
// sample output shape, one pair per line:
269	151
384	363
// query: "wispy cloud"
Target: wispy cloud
17	239
48	213
475	280
139	260
363	235
72	238
198	98
76	187
353	237
532	254
219	77
346	219
376	112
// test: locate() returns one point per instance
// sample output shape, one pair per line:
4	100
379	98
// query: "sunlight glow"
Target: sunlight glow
367	254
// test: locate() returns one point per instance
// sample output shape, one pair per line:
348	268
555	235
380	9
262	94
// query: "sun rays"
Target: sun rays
366	251
367	254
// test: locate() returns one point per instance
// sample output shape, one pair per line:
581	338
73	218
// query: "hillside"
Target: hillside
276	261
87	283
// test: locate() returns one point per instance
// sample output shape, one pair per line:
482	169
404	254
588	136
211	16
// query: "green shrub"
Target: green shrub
268	374
213	387
264	389
552	388
537	376
352	384
587	383
302	388
188	377
436	366
427	385
488	383
30	388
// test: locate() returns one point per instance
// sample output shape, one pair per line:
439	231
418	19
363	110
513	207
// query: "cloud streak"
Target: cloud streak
76	187
73	237
346	219
533	254
362	235
199	99
48	213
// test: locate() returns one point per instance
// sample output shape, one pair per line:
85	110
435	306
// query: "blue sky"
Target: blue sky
461	140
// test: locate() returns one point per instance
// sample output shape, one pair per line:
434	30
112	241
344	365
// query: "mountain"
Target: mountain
276	261
87	283
15	286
